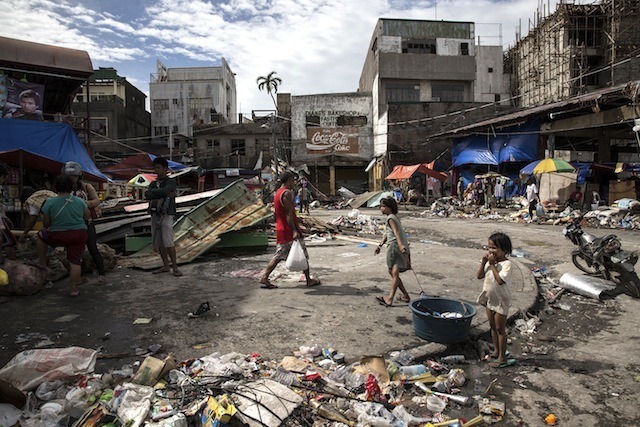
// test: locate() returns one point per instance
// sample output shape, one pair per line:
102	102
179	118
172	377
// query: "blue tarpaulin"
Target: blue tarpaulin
514	144
57	142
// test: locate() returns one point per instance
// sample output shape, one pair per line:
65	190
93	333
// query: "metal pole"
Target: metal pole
273	145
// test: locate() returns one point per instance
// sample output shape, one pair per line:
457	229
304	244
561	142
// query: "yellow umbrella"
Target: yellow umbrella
553	165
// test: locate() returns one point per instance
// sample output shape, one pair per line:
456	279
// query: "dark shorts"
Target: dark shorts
73	240
304	203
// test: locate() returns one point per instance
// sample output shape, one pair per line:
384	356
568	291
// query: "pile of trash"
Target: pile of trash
56	387
356	221
623	213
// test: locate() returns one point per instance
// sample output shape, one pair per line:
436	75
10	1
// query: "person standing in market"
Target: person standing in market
86	192
8	241
65	224
287	230
162	207
532	196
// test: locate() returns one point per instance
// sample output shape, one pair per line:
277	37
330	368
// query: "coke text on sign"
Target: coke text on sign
332	140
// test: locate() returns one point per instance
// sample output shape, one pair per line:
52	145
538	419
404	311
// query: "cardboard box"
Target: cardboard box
621	190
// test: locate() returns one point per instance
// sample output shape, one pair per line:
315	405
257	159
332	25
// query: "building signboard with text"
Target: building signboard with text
337	140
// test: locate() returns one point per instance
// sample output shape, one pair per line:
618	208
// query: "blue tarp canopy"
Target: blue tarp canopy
513	144
44	146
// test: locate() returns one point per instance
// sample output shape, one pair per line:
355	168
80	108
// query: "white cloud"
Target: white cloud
315	46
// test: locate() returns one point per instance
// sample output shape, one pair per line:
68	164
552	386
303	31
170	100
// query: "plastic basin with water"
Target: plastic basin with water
439	329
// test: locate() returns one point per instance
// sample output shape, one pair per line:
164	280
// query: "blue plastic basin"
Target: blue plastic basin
439	329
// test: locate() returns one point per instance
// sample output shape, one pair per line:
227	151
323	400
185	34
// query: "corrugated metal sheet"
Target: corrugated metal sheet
520	116
41	57
407	28
234	208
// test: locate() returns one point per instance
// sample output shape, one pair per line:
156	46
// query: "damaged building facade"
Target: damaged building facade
417	70
333	135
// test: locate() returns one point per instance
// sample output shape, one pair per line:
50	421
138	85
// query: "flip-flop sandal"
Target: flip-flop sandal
177	273
268	286
509	362
74	294
160	271
381	301
489	358
202	309
403	299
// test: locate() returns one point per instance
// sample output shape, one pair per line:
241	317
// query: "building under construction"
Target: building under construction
575	50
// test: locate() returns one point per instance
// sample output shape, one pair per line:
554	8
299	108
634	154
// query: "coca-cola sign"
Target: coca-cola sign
332	140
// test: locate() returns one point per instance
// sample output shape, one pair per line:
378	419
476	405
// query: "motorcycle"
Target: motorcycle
603	257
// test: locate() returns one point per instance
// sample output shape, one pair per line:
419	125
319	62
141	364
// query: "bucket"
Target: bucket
432	327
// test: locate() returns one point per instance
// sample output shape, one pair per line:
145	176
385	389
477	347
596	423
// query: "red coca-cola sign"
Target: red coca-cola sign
332	140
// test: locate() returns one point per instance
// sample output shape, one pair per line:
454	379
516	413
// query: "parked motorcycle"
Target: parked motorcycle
603	257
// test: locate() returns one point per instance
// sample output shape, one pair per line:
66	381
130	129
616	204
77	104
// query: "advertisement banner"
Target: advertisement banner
24	100
341	140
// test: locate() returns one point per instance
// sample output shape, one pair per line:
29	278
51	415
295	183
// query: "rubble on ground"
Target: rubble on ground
626	216
313	386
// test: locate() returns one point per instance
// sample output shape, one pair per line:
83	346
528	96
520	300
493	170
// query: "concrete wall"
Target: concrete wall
426	67
489	84
329	107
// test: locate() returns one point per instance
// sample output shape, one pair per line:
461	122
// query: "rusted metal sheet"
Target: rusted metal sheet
233	208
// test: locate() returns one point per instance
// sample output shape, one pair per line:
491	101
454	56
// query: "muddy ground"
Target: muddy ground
581	363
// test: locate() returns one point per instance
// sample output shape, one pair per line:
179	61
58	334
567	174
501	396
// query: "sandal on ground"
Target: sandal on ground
402	298
268	285
102	280
381	301
490	357
508	362
313	282
177	273
160	271
202	309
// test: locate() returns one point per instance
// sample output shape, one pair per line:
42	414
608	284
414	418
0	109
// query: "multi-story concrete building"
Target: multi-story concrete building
417	62
184	97
116	109
575	50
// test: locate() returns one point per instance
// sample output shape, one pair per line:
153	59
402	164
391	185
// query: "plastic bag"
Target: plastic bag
296	261
540	210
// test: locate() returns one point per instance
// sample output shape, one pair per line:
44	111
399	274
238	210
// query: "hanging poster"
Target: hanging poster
24	100
340	140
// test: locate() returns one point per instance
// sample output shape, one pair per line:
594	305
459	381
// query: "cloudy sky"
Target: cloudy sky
315	46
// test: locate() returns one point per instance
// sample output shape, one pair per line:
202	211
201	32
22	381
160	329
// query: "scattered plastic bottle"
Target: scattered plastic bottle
413	370
454	358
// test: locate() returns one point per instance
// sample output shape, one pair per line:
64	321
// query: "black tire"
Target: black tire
630	282
580	262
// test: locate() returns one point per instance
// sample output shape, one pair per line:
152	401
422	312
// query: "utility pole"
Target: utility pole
274	150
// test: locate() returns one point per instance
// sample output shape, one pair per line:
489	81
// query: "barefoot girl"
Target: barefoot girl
496	272
398	256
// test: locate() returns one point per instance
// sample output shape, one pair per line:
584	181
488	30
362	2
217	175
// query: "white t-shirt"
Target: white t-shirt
532	191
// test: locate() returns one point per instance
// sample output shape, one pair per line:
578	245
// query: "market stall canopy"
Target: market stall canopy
406	172
143	180
44	146
132	166
553	165
514	144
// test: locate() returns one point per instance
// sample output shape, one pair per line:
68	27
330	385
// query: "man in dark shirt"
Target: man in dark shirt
162	206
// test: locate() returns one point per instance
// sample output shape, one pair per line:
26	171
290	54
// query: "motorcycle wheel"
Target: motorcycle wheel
631	283
580	262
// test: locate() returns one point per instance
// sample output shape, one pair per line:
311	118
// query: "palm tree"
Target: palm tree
270	83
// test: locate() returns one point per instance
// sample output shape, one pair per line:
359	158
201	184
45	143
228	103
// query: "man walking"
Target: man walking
287	230
162	207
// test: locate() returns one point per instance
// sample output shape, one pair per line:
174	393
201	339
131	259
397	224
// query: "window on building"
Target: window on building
312	121
99	126
174	101
490	70
160	104
403	92
464	49
497	97
157	130
216	147
174	129
448	92
419	46
351	121
209	144
238	147
79	98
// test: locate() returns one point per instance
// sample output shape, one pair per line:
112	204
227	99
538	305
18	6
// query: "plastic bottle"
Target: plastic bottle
454	358
413	370
330	413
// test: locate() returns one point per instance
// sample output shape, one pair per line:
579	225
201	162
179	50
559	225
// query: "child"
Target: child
398	256
496	272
